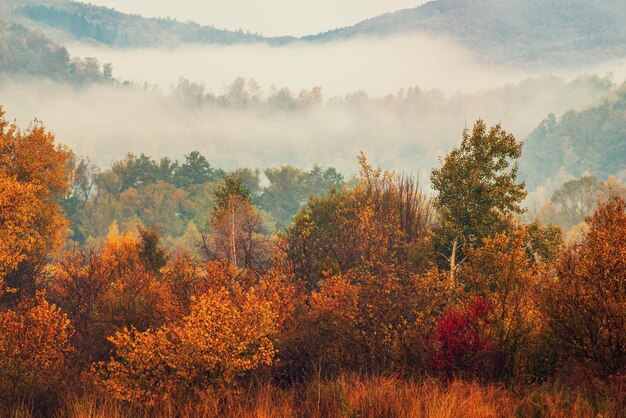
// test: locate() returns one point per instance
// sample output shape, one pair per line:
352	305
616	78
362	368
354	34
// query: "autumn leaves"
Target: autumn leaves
371	278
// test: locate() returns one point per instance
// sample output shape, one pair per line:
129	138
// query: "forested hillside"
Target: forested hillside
65	19
591	141
27	53
555	31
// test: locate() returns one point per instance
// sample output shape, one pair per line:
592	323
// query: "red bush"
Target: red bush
461	345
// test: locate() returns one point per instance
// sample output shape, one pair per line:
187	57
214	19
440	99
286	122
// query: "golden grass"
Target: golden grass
364	397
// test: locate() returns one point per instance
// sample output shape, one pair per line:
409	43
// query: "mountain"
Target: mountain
552	31
591	141
64	20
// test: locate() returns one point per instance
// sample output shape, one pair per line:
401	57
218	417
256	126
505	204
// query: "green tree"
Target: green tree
477	188
135	172
195	170
236	229
286	193
385	220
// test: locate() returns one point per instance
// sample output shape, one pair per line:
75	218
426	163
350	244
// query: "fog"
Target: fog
378	66
105	122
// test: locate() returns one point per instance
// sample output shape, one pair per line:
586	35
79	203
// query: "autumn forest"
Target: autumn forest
375	298
297	209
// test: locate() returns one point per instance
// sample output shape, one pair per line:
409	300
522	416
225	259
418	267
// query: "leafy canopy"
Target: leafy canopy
477	188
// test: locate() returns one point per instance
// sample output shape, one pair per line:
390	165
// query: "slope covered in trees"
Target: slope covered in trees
27	53
65	19
498	30
586	142
561	31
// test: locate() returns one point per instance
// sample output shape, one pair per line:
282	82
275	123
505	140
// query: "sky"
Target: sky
269	17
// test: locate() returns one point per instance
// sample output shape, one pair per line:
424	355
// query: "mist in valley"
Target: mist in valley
403	101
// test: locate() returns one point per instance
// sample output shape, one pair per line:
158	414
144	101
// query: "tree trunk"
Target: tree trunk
453	262
233	246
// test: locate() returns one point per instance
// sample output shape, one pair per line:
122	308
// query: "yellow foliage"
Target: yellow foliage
220	339
17	222
34	350
33	176
375	322
502	272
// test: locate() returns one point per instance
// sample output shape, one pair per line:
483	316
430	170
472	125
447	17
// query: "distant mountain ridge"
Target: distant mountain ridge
64	20
512	30
549	31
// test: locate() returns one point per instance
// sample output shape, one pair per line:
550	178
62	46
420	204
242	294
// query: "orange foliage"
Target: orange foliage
34	350
585	306
503	272
17	229
107	290
39	167
377	322
218	341
355	289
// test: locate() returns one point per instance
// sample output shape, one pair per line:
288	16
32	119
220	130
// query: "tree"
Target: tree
476	188
385	220
375	322
106	289
321	181
189	93
35	168
507	277
286	193
81	187
311	98
151	251
290	187
584	305
135	172
238	96
195	170
236	229
79	285
17	224
576	199
281	99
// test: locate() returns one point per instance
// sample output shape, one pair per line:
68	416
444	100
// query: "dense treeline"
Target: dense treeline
419	120
177	197
374	278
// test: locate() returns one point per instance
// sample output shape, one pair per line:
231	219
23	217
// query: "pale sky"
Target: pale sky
269	17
